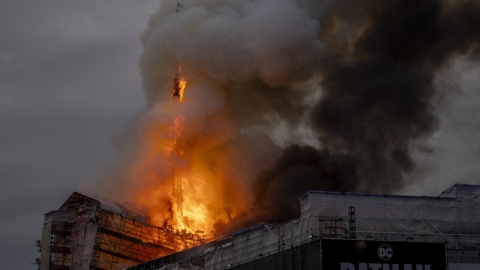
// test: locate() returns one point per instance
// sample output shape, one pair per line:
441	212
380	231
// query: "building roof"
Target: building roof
77	198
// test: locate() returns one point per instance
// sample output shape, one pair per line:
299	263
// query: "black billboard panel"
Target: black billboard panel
382	255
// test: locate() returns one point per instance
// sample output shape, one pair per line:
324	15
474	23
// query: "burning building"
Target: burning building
86	233
352	231
271	100
284	96
335	230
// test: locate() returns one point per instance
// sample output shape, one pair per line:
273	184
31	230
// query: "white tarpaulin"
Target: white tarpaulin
396	214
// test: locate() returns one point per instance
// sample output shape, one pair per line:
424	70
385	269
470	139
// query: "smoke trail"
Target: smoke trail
357	77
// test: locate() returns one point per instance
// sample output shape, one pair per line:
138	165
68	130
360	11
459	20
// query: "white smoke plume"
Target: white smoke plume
229	41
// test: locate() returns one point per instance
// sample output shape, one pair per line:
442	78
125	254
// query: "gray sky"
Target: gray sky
69	83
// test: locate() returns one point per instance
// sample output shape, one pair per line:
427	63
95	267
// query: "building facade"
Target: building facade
91	234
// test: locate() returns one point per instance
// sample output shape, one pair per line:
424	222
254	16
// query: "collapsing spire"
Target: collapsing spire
176	86
179	85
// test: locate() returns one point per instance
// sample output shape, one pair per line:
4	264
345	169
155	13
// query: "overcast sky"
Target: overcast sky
69	83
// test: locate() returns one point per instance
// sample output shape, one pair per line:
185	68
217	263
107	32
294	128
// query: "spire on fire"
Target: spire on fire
179	84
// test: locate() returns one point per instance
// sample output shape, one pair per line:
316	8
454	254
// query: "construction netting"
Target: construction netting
256	247
451	220
395	214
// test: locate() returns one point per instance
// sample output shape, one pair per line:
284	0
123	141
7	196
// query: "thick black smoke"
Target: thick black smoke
377	87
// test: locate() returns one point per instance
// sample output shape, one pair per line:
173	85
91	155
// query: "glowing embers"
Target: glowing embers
171	187
187	189
184	175
189	211
171	146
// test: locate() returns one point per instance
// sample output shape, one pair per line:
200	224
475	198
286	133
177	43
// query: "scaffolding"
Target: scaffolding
87	233
443	230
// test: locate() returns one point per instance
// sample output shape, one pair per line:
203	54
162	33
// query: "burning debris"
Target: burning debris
285	96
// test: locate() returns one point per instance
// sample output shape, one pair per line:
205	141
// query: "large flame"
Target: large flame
180	172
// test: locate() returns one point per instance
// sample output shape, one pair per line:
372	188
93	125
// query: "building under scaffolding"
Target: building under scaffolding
87	233
352	231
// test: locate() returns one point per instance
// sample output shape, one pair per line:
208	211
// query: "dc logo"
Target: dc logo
385	252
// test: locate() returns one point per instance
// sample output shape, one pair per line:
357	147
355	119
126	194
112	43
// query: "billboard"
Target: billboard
382	255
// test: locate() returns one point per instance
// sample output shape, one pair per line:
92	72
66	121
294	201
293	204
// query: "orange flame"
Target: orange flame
182	84
179	84
182	173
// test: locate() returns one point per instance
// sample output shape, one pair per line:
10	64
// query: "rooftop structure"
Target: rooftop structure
351	231
86	233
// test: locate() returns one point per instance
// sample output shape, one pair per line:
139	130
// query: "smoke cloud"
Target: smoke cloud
294	95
